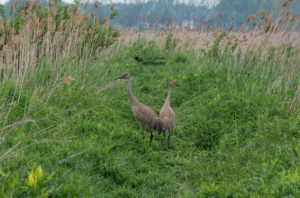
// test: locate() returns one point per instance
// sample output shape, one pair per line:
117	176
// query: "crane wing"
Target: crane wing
144	114
167	116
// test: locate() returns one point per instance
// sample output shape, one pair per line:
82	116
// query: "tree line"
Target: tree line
156	14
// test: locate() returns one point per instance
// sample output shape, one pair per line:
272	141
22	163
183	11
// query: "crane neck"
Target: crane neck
130	94
167	102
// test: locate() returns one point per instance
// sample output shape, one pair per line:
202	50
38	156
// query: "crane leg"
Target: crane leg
169	138
143	134
151	137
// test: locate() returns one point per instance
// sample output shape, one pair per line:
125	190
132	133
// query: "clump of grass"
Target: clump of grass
171	43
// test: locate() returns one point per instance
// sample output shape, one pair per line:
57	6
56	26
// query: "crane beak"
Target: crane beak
121	77
178	85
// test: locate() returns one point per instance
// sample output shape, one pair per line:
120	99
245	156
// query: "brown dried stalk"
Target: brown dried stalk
250	18
7	26
96	5
16	4
112	7
27	7
86	5
42	14
11	9
1	27
53	11
75	11
36	5
230	28
66	9
233	16
286	3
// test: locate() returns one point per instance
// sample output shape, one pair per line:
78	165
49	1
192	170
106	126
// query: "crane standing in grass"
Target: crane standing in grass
167	115
142	113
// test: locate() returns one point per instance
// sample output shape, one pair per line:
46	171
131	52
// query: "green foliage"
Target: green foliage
171	43
232	137
214	51
2	11
37	184
112	15
180	58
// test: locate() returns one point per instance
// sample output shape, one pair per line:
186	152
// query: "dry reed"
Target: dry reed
40	38
260	30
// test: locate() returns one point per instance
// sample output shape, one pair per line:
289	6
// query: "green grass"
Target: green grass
233	136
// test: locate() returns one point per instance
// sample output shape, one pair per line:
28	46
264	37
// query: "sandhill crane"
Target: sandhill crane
142	113
167	115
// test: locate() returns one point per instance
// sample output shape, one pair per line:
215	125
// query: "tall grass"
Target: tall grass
39	46
40	50
33	36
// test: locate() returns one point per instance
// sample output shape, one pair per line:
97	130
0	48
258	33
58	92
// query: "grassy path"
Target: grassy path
232	137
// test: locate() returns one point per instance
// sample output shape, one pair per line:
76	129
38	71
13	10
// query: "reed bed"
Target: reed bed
260	30
203	40
35	35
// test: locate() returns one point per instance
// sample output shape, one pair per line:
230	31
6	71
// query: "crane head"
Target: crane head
124	76
172	84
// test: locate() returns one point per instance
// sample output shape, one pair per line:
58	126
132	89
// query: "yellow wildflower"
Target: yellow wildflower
31	180
39	173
